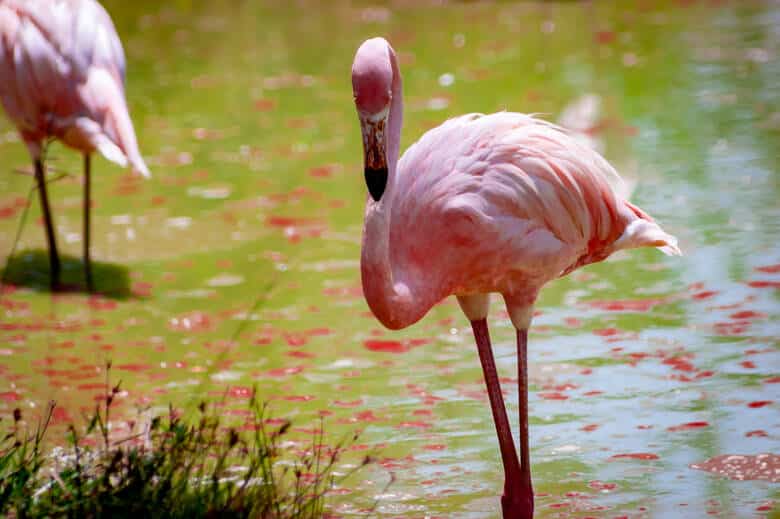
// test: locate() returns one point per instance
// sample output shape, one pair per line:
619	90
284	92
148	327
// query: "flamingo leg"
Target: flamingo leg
87	208
522	381
514	503
54	257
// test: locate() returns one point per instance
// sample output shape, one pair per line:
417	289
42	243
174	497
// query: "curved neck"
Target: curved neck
395	122
391	298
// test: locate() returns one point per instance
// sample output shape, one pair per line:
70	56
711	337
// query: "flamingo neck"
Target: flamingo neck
395	123
391	297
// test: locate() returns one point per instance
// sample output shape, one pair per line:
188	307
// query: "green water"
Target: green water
237	264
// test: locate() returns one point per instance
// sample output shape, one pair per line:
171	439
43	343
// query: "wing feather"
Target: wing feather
514	184
63	72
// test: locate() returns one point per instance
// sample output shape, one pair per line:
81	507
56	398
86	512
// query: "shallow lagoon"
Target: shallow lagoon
237	264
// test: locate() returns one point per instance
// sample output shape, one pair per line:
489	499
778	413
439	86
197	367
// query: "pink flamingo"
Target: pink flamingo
483	203
62	75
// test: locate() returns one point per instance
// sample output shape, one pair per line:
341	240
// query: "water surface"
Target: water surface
237	264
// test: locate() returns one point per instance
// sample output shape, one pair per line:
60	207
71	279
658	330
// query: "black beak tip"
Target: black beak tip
376	180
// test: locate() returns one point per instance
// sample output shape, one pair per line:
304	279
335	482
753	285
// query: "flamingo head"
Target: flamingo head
372	82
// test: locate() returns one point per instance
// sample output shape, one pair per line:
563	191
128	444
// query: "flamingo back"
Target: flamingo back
62	72
506	202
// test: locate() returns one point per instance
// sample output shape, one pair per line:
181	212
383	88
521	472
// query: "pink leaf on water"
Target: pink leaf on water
688	426
239	392
283	372
10	396
593	393
133	367
348	403
385	346
636	456
748	314
604	37
706	294
602	486
764	284
553	396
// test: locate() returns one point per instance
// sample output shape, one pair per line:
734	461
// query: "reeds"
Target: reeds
174	467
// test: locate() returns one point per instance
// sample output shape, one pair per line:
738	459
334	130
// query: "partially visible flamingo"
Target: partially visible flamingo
483	203
62	75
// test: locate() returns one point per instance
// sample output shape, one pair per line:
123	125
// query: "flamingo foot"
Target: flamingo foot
518	505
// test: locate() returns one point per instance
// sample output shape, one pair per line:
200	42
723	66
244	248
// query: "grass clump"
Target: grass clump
173	468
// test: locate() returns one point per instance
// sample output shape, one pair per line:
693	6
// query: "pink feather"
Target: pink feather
62	71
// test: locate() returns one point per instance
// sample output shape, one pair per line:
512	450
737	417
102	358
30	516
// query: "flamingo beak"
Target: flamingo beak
375	155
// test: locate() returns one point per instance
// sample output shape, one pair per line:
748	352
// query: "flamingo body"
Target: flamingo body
62	73
481	204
